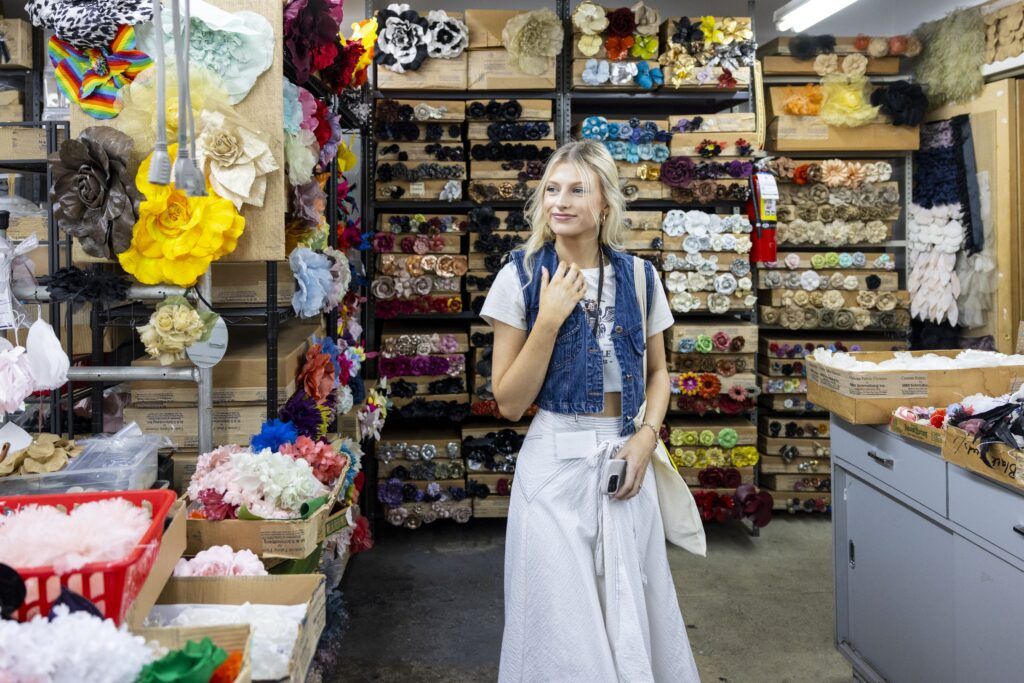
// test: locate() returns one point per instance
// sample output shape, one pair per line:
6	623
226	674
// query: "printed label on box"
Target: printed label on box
802	128
869	385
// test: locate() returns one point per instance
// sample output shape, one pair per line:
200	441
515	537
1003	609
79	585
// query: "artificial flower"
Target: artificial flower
177	237
317	376
173	327
447	36
855	65
221	560
713	34
689	384
273	435
679	63
589	45
16	379
312	271
88	23
93	77
94	196
235	159
621	22
618	47
401	38
589	18
533	40
805	101
271	485
237	46
647	20
309	202
311	34
644	47
310	418
365	33
846	102
326	462
902	101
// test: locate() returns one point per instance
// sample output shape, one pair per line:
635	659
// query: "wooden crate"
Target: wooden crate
666	191
734	304
446	137
492	506
745	430
489	70
890	279
775	367
776	297
685	144
805	260
488	478
451	111
822	425
640	239
783	497
643	220
458	220
678	362
458	398
765	385
522	234
806	448
691	330
777	403
452	244
533	110
492	170
17	35
645	189
849	338
439	434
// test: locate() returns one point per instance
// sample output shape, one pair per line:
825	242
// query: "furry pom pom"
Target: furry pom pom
902	101
807	47
954	52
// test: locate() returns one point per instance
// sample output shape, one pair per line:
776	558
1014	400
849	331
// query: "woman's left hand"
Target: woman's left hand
637	452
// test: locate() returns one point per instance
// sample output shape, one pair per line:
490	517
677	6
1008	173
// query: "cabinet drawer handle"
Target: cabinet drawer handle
1019	529
883	460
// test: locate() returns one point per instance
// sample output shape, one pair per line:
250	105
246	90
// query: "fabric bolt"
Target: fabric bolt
602	562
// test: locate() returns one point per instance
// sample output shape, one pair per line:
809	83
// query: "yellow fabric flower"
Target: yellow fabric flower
364	31
590	45
846	102
712	33
346	157
177	237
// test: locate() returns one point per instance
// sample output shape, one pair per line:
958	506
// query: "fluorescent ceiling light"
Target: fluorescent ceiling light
800	15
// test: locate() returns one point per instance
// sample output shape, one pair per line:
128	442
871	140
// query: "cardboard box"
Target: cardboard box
22	227
231	638
245	284
9	96
685	144
17	35
784	65
476	131
451	111
489	70
723	122
926	434
486	25
239	378
424	190
22	143
267	590
691	330
11	113
871	397
811	134
183	465
579	65
999	463
231	424
433	74
172	547
287	539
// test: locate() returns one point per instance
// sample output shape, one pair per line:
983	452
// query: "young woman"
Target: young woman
588	591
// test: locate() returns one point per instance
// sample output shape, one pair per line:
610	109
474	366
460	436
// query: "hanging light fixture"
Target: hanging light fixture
799	15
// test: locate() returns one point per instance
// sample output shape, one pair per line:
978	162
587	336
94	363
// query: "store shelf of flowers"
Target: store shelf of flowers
237	579
834	284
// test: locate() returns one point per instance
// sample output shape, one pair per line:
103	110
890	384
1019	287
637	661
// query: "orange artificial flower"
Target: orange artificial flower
618	48
317	374
800	174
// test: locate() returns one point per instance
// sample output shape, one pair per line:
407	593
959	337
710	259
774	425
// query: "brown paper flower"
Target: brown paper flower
94	196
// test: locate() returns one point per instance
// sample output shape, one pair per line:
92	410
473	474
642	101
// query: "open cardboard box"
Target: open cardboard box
172	547
871	397
231	638
1001	464
272	538
308	589
926	434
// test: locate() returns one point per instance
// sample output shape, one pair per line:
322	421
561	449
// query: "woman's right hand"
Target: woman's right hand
559	293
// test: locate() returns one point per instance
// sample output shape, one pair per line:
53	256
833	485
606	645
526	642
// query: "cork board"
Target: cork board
263	239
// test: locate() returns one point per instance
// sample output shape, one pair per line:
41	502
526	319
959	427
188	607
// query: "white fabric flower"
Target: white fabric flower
623	73
590	18
447	36
674	223
235	158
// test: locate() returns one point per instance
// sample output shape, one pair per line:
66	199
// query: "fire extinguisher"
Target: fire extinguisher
761	207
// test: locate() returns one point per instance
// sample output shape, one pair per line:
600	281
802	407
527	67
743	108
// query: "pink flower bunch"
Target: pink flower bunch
327	464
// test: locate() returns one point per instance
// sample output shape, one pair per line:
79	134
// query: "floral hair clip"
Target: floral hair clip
709	148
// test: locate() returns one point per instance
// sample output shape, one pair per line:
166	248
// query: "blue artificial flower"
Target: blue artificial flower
632	155
660	153
312	271
687	345
643	76
274	434
613	130
328	346
625	131
645	151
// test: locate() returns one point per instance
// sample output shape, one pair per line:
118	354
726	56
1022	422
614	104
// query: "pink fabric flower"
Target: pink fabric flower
327	464
221	560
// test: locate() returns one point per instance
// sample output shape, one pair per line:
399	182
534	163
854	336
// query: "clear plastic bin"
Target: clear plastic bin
124	461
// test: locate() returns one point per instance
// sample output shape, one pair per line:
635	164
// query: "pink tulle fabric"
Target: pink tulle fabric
327	463
100	531
221	560
16	380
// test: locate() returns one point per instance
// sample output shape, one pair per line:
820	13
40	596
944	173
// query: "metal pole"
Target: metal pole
133	374
39	294
205	388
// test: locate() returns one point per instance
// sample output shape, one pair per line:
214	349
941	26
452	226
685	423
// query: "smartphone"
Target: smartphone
614	476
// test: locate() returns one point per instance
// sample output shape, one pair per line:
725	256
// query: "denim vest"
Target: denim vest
574	382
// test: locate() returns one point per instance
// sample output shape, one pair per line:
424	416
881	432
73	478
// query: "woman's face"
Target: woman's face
572	203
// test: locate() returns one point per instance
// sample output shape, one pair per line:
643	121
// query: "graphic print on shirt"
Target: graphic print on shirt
604	327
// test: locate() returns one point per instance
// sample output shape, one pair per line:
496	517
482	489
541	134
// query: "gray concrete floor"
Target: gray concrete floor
426	605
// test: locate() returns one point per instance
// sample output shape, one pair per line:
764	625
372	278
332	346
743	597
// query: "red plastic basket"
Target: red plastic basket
112	586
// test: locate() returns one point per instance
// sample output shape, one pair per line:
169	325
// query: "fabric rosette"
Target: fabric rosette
589	18
401	38
173	327
235	159
621	22
533	40
311	34
94	196
177	237
647	20
447	36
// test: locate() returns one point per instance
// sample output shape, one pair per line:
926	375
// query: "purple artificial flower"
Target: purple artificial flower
302	411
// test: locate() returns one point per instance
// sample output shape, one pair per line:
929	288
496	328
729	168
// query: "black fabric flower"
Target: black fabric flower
78	286
401	38
902	101
806	47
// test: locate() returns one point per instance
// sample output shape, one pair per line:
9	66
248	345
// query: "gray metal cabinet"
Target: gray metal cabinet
925	590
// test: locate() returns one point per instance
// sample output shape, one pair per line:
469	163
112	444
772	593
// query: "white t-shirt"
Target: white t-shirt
505	302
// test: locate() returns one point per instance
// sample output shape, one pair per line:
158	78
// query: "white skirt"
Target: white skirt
588	591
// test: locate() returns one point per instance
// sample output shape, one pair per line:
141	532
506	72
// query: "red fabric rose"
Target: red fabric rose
621	22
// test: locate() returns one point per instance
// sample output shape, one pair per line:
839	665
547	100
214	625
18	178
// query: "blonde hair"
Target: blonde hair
587	156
